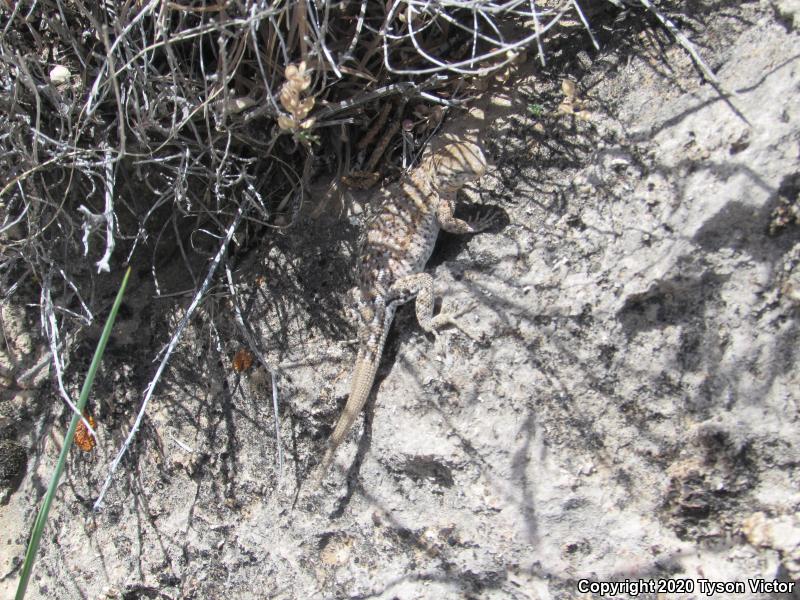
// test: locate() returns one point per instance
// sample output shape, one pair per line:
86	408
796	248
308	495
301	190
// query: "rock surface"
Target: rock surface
629	409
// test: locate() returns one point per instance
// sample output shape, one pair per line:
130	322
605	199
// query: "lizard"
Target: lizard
399	241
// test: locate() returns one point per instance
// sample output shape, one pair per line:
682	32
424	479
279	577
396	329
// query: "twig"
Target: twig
108	215
245	329
463	67
98	504
537	27
683	41
50	327
585	24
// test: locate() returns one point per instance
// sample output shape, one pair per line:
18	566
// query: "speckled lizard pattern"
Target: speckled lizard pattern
399	241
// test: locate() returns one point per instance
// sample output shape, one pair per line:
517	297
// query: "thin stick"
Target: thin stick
683	41
537	28
245	329
50	328
98	504
585	24
108	214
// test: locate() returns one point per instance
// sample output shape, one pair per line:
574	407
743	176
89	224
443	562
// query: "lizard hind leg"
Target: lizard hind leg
420	285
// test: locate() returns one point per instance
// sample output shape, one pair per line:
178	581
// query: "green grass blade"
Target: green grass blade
41	518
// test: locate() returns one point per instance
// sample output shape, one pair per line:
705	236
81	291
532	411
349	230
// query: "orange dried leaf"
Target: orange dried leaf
242	360
83	439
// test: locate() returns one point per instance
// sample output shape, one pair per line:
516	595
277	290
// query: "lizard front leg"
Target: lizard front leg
450	223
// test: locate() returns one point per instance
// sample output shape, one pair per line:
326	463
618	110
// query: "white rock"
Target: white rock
59	74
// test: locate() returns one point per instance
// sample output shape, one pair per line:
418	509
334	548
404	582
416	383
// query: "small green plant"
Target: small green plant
307	138
41	518
536	110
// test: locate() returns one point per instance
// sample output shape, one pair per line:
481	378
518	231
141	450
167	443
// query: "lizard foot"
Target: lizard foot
483	220
451	318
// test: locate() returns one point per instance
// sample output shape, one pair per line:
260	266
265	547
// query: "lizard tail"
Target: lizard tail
360	386
369	356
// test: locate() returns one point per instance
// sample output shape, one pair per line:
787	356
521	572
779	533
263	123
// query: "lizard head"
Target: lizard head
458	163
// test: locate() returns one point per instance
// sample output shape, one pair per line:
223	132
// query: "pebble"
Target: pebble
59	74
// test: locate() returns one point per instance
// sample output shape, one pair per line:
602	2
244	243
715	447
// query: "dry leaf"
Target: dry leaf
83	439
242	360
285	122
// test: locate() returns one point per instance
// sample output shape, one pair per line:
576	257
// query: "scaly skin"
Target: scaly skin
399	242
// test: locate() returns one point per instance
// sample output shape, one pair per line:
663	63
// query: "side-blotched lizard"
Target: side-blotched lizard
399	242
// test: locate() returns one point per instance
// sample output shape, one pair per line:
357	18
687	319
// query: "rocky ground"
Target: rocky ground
628	408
